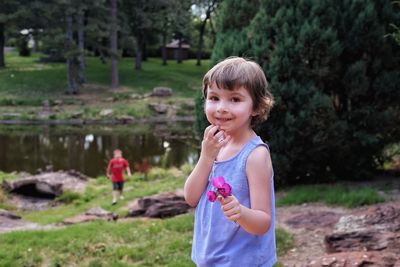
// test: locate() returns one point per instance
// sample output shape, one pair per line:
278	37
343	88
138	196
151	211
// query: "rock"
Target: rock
93	214
375	228
159	108
11	222
106	112
54	183
159	206
136	96
125	119
161	91
9	215
356	259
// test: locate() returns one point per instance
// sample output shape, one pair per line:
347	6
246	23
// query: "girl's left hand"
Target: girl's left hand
230	207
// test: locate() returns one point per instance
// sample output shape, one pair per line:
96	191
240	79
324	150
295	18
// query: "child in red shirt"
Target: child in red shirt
115	170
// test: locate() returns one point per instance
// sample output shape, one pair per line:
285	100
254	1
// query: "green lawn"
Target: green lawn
26	77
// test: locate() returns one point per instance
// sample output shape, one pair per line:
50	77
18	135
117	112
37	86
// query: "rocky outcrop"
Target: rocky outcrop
159	206
367	237
46	185
373	229
93	214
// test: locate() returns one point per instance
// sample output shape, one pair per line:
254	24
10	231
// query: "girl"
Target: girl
238	230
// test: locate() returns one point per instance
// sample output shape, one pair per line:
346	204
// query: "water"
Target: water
87	149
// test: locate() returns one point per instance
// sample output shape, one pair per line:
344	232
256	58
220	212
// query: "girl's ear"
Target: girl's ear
255	113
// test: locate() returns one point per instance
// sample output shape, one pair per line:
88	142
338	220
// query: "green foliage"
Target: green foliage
342	195
334	76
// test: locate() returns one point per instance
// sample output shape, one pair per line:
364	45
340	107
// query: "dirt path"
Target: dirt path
310	223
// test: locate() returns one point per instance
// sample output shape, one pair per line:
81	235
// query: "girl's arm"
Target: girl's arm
257	219
198	179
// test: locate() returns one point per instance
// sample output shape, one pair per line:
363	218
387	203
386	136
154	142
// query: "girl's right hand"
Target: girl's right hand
212	142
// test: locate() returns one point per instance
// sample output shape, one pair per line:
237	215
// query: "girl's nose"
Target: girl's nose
222	106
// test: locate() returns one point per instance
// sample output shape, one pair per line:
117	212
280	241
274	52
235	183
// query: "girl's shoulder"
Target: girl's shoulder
259	157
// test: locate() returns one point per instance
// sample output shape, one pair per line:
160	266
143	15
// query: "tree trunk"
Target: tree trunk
81	46
114	46
2	43
179	52
164	48
144	52
138	59
71	68
200	44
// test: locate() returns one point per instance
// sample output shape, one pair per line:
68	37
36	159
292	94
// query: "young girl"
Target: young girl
237	230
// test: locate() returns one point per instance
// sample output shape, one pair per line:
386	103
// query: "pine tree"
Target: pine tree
335	78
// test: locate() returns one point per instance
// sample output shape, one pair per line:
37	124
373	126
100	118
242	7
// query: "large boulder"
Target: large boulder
46	185
368	236
375	228
159	206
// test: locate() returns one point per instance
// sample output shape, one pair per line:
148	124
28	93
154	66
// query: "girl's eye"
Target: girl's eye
235	99
213	98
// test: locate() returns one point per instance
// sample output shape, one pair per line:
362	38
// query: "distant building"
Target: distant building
173	49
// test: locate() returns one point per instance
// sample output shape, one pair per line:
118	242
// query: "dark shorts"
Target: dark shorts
118	186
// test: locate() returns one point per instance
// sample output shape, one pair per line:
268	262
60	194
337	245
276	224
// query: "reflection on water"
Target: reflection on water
88	148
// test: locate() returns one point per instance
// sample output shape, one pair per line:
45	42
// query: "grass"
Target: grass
98	194
141	242
25	79
136	243
338	194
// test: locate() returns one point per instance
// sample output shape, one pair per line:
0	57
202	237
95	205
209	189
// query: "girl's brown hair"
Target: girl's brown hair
235	72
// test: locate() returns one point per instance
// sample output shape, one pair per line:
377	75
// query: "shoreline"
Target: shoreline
121	121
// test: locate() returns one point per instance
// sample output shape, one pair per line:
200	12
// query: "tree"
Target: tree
206	9
140	16
334	76
9	12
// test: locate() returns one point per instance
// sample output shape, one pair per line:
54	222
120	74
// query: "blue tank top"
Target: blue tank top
220	242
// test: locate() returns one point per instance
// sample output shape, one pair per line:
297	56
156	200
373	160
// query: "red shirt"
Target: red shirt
117	167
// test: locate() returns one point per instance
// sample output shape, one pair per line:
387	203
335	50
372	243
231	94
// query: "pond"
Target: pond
87	149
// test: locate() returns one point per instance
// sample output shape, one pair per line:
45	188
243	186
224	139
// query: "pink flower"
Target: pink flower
225	190
218	182
212	196
222	188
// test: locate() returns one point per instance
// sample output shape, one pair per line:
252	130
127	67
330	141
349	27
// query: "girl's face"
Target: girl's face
230	110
